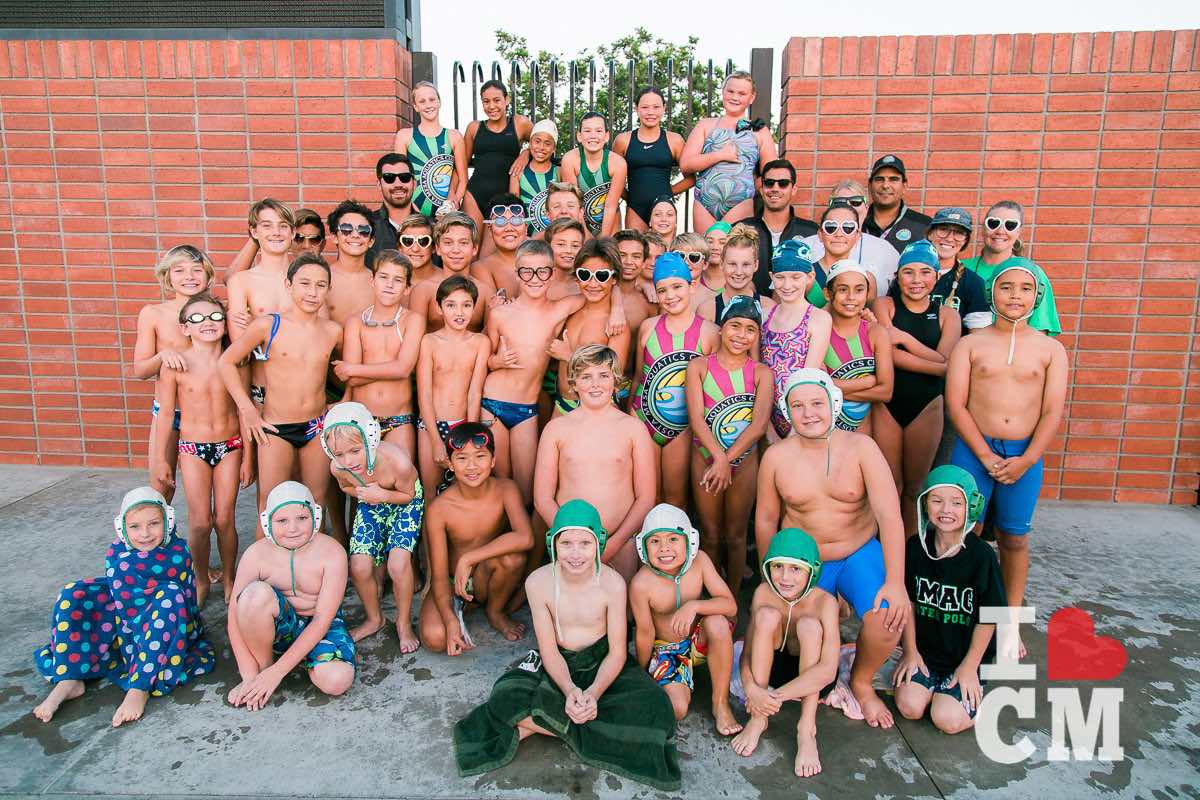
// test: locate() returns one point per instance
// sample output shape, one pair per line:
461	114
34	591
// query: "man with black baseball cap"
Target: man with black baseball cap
888	217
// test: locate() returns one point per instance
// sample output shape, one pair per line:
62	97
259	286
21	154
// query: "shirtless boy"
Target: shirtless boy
456	242
387	522
598	439
1006	385
837	486
791	647
296	347
633	250
565	237
676	628
285	610
478	533
260	290
379	352
350	288
579	672
506	218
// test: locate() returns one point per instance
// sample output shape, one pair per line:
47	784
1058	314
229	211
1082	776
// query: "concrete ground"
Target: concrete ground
1134	568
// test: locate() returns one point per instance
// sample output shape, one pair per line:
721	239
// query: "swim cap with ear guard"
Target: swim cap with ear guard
144	496
356	416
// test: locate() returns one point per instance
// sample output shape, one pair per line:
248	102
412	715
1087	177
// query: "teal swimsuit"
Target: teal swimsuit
595	186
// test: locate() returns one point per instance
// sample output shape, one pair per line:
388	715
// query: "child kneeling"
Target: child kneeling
950	575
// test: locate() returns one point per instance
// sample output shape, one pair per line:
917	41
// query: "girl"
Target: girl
795	334
909	426
490	147
729	397
725	153
664	219
651	154
859	358
435	153
211	444
666	344
717	235
692	248
532	181
840	234
739	262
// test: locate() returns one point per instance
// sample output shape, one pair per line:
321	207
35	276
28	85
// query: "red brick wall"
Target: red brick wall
113	152
1098	135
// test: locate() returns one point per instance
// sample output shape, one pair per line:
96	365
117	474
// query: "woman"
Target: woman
490	147
957	286
436	154
872	252
651	153
725	153
1001	242
839	233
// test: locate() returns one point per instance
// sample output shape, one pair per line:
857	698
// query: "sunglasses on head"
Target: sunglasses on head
196	317
583	275
392	177
854	201
994	223
542	273
782	183
691	258
419	241
831	226
316	238
459	439
345	229
507	215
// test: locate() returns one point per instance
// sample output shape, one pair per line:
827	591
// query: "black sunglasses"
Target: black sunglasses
419	241
854	201
542	273
392	177
583	275
316	238
691	258
782	183
196	317
345	229
994	223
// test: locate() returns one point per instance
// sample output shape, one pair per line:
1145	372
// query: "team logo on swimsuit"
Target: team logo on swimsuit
663	393
538	218
728	418
435	177
593	205
903	235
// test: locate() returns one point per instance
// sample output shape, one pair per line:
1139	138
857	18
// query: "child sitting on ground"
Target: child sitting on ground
677	630
578	674
951	574
139	628
285	610
391	504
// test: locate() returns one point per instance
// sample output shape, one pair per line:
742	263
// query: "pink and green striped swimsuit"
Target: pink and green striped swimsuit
660	402
728	404
846	359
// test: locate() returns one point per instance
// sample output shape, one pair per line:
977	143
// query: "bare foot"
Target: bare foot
409	643
727	723
745	743
215	575
1021	651
874	711
131	707
808	763
509	628
61	693
516	601
370	627
227	587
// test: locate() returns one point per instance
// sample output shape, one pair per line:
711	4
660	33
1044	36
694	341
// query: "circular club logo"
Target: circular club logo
663	393
593	205
903	235
435	177
537	217
728	418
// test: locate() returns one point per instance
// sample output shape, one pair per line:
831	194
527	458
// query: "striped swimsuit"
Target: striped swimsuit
847	359
728	404
432	161
660	402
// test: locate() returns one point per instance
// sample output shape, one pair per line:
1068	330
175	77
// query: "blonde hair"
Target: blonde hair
691	241
414	221
1011	205
593	355
847	183
740	75
279	208
426	85
339	432
562	187
447	221
741	236
653	238
179	254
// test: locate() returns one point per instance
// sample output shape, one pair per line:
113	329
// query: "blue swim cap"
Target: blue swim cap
792	255
922	252
671	265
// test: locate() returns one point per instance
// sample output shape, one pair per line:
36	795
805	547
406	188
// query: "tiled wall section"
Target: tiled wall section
114	151
1098	134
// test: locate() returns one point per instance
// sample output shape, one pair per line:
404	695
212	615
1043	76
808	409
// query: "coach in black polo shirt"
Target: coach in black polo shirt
776	223
888	217
395	178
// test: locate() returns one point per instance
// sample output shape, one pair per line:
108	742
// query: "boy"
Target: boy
456	241
520	333
414	240
259	290
950	576
564	200
350	288
379	352
595	168
633	251
478	534
507	221
578	674
1006	385
676	630
598	439
387	522
286	605
565	237
530	182
450	372
776	665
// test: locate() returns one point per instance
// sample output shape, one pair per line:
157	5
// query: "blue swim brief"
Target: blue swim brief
510	414
380	528
1015	502
335	645
858	577
157	407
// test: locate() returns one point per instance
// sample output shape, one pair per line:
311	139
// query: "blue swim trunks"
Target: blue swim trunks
336	645
510	414
1015	502
383	527
858	577
939	683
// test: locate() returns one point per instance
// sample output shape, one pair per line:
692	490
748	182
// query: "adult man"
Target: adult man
871	251
395	178
776	223
888	217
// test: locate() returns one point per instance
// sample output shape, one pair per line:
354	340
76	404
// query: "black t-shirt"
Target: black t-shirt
908	227
947	595
384	233
969	293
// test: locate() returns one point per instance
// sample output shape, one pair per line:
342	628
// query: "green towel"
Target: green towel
632	736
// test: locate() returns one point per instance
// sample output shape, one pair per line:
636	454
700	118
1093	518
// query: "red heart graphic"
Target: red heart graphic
1076	653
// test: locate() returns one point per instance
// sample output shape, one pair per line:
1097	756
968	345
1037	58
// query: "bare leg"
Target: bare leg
912	700
675	460
720	669
59	694
737	213
701	219
314	473
362	575
172	462
225	490
399	566
495	582
522	451
738	499
527	727
761	652
500	437
921	439
276	459
633	221
680	696
710	510
332	677
890	437
875	644
197	487
431	473
433	632
257	610
949	716
811	636
1014	568
131	708
404	437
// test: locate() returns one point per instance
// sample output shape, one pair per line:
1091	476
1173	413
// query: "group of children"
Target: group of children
540	425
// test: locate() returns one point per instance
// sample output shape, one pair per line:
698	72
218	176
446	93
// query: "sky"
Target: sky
464	30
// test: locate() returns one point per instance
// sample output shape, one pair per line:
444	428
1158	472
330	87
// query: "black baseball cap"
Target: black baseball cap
892	161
